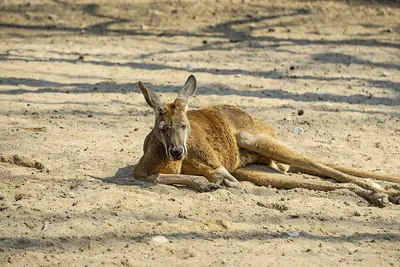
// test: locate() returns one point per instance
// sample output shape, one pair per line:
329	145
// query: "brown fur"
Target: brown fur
224	144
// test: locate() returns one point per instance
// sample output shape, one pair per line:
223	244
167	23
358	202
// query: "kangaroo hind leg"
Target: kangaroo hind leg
264	176
270	147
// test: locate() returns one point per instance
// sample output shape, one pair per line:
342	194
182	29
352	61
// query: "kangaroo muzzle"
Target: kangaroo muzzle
176	153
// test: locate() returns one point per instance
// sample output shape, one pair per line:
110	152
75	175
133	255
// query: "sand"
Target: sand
72	114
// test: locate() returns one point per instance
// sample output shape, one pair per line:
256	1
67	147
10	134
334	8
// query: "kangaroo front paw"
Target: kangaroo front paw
380	199
209	187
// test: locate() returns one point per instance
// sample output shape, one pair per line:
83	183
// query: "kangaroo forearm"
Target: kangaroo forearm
181	179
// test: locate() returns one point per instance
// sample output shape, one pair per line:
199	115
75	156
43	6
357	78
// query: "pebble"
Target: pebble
45	226
298	130
189	68
386	30
159	239
287	119
292	233
384	74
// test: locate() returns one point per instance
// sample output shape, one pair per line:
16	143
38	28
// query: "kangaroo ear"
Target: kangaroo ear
151	99
188	89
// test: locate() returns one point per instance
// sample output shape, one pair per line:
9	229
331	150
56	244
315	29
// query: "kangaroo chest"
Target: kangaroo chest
170	167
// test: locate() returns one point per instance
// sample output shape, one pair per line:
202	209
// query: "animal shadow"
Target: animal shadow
123	176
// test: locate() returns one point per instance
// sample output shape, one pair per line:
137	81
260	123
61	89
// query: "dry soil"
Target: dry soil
72	125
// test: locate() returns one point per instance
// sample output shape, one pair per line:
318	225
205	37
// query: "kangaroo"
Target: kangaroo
221	145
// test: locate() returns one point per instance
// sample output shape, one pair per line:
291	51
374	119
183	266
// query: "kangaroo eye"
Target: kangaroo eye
184	126
162	125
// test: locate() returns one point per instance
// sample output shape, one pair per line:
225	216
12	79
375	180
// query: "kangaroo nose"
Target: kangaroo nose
176	152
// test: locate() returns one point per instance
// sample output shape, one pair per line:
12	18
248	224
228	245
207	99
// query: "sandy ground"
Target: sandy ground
72	113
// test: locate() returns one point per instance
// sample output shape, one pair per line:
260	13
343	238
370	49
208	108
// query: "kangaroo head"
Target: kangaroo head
172	127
